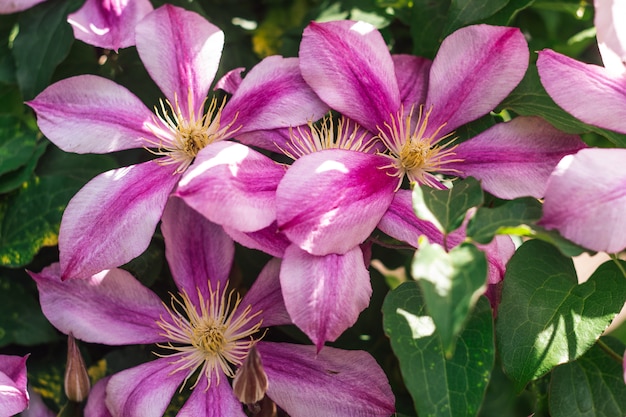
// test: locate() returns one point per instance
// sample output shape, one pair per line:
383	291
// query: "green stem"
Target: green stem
615	259
614	355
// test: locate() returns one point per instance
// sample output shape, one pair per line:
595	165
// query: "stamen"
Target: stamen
415	154
348	135
208	336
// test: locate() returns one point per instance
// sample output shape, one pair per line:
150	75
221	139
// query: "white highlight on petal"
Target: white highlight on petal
362	28
99	31
331	166
421	326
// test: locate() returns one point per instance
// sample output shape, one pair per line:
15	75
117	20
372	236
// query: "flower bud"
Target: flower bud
250	382
77	384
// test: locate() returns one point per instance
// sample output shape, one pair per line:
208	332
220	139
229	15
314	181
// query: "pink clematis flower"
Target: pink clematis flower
112	219
109	24
13	394
208	336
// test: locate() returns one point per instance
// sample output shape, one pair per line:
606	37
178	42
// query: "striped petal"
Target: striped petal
13	394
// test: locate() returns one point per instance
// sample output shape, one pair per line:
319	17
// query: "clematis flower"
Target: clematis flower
108	24
111	219
13	394
413	107
207	336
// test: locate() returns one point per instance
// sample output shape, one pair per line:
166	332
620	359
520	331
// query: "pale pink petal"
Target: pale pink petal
14	6
401	223
231	81
330	201
324	294
13	392
412	73
273	140
91	114
265	295
333	382
233	185
145	390
475	69
96	406
586	199
197	251
111	220
273	95
111	307
217	400
268	240
181	51
108	24
348	65
588	92
498	253
611	33
515	159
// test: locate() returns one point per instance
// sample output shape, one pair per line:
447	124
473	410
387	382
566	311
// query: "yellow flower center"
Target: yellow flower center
212	336
413	152
180	137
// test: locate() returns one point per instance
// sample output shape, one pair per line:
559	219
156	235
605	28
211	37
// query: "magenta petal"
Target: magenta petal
231	81
611	33
498	253
108	24
13	393
145	390
111	307
586	199
233	185
349	66
475	69
91	114
265	294
401	223
268	240
112	218
197	250
578	88
181	51
14	6
324	294
330	201
272	140
412	73
217	400
333	382
515	159
273	95
96	406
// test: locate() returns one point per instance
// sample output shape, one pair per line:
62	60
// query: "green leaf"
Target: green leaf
428	18
446	209
451	283
488	222
439	387
22	321
505	16
17	143
592	386
44	40
545	317
530	99
464	12
13	180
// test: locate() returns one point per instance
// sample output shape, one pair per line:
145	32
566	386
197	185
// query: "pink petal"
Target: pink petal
197	250
13	394
330	201
145	390
91	114
498	253
265	295
215	401
233	185
579	88
231	81
273	95
111	220
111	308
96	406
475	69
14	6
611	33
586	199
273	140
181	51
108	24
333	382
324	294
515	159
349	66
412	73
268	240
